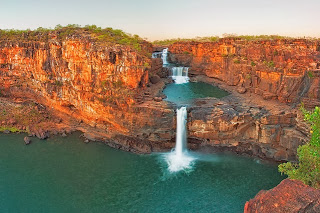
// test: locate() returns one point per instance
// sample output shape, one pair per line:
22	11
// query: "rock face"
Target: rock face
287	70
95	82
232	124
112	89
289	196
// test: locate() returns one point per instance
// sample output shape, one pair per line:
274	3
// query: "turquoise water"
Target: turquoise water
182	94
67	175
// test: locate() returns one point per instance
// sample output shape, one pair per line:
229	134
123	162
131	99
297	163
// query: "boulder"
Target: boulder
289	196
41	134
90	136
155	79
157	99
268	96
241	90
27	140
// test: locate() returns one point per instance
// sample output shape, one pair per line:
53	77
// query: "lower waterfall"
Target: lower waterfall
179	158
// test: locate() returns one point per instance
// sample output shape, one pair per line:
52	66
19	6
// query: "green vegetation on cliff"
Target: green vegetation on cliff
199	39
308	168
10	129
108	34
226	36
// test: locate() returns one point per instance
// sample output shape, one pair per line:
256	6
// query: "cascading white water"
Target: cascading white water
180	75
181	130
165	56
179	158
156	55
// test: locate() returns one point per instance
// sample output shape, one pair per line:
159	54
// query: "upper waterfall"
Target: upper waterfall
180	75
165	56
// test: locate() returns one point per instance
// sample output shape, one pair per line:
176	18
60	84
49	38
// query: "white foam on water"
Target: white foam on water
180	75
179	159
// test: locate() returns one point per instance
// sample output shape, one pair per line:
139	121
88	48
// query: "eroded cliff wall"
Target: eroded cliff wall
97	83
284	69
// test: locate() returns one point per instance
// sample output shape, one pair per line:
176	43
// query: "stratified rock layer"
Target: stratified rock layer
287	70
242	128
112	89
97	83
289	196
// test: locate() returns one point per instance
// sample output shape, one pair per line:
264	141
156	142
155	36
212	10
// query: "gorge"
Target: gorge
243	96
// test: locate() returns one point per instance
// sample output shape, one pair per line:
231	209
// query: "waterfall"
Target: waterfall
164	56
156	55
179	158
181	137
180	75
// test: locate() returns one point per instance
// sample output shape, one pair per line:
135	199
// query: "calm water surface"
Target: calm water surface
67	175
182	94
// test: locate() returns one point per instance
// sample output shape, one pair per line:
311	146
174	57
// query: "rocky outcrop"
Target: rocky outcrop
285	69
234	124
289	196
100	84
27	140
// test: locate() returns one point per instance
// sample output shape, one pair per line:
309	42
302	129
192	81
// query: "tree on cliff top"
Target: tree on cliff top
106	35
308	168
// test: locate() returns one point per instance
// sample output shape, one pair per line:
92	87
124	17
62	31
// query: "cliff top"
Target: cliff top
72	31
252	38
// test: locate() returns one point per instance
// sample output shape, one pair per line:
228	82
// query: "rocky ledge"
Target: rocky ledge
246	123
289	196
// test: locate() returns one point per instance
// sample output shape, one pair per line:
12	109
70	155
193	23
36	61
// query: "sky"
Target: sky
165	19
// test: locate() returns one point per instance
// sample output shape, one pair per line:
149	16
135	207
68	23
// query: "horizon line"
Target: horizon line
223	35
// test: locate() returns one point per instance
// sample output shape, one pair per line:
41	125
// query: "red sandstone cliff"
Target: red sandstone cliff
96	82
104	84
289	196
287	70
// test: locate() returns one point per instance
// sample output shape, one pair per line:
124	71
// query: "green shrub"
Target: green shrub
236	61
108	34
253	63
58	83
11	129
270	64
310	74
146	64
198	39
308	167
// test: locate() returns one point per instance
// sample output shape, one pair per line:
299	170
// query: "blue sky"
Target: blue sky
169	19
